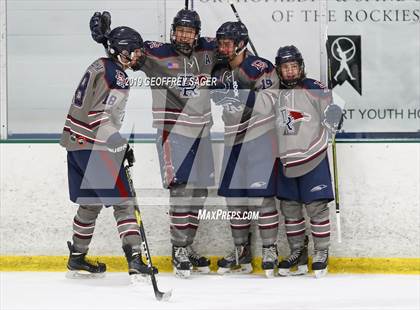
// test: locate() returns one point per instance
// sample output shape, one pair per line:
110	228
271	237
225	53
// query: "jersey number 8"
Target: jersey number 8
79	95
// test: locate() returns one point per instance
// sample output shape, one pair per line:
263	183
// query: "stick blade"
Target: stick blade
163	296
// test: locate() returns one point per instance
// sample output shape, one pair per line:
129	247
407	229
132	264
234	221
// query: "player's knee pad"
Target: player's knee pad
88	213
180	195
199	197
200	192
268	205
291	209
318	210
238	223
237	203
84	226
181	190
125	211
127	226
319	213
294	222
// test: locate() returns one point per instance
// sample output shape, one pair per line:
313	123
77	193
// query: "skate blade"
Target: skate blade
83	274
238	269
139	278
321	273
300	271
269	273
201	270
182	274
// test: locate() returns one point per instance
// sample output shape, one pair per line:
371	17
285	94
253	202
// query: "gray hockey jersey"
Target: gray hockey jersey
302	137
180	103
98	107
255	76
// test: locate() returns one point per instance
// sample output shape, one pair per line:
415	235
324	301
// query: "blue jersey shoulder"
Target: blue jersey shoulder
319	89
313	84
159	49
206	44
255	66
115	76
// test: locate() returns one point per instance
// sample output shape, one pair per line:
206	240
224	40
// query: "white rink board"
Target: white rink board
49	47
379	189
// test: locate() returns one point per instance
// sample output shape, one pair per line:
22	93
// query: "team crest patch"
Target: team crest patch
155	44
290	119
259	65
120	79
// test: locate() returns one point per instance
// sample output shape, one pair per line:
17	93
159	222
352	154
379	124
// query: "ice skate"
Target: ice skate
180	262
269	260
80	268
200	264
139	272
296	263
320	263
238	261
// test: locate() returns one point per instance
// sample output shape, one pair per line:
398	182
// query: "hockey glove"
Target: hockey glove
129	155
100	25
121	150
333	118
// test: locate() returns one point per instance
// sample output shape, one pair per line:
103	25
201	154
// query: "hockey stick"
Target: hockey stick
158	294
239	20
337	194
186	4
335	170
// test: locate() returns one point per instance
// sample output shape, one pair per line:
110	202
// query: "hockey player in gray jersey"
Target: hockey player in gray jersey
305	115
182	117
96	150
246	88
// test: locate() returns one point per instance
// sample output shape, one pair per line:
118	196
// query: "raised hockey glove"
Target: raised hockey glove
333	118
100	25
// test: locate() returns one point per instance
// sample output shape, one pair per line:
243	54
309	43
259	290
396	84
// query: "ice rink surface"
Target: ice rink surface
42	290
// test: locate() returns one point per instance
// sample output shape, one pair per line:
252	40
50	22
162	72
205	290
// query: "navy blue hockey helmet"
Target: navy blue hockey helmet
235	31
190	19
289	53
124	41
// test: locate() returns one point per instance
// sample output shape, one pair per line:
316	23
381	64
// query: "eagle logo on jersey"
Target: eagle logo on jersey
291	119
155	44
259	65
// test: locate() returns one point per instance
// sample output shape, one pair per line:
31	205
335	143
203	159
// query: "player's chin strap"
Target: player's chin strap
136	66
240	50
130	59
